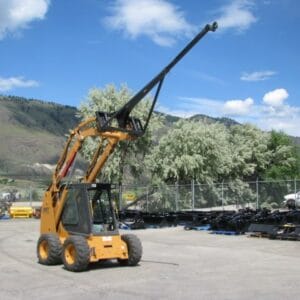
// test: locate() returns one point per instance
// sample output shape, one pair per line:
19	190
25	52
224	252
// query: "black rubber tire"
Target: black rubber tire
49	249
187	227
135	250
81	255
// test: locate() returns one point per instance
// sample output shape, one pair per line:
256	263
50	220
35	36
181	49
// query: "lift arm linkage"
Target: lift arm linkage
109	140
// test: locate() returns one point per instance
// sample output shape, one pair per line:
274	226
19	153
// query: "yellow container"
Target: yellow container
21	212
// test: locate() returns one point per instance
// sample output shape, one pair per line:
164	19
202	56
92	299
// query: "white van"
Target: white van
292	200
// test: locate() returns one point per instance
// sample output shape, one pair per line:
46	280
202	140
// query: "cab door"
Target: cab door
76	215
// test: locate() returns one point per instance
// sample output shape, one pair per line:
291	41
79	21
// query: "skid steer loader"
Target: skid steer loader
78	222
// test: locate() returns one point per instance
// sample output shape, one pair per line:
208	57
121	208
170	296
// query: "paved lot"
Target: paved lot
176	264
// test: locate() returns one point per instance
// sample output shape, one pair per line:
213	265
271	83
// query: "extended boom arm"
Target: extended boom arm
122	115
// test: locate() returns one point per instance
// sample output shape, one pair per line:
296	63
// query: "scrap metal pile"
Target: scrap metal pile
263	222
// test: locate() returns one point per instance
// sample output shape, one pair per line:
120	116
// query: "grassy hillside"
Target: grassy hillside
225	121
172	119
38	115
31	131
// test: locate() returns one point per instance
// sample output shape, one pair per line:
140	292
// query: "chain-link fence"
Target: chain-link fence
223	195
22	189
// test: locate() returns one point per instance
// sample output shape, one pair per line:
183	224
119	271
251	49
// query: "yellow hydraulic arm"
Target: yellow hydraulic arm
55	196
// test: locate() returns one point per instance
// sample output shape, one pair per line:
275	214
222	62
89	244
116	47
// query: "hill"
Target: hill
225	121
31	131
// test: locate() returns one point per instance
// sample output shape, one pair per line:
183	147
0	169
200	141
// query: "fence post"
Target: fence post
176	195
193	194
30	196
257	196
120	197
164	203
222	195
147	198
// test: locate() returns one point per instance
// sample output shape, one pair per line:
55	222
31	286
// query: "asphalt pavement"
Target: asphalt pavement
176	264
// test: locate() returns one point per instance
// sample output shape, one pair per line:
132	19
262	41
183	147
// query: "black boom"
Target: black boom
122	116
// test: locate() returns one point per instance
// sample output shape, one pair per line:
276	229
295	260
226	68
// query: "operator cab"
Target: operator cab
89	210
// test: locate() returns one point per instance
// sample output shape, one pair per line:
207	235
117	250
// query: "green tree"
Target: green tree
191	150
285	158
250	155
128	155
210	153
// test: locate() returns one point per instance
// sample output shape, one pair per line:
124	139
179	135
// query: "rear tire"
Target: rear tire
76	254
49	249
135	250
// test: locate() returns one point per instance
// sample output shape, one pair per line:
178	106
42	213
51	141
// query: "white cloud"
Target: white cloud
189	106
283	111
18	14
159	20
7	84
258	76
238	107
176	112
276	97
238	14
288	124
275	114
283	117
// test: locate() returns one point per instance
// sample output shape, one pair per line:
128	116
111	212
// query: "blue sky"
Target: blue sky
248	70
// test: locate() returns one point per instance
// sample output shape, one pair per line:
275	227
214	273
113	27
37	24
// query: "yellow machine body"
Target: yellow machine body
101	247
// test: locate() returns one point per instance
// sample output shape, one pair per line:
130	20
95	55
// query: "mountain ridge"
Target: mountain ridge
32	131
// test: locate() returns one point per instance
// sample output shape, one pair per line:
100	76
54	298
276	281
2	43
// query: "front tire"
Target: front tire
49	249
76	254
135	250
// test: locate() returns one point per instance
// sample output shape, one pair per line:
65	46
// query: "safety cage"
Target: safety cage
89	210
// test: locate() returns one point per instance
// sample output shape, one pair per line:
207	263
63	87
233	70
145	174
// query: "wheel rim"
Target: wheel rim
70	254
44	249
